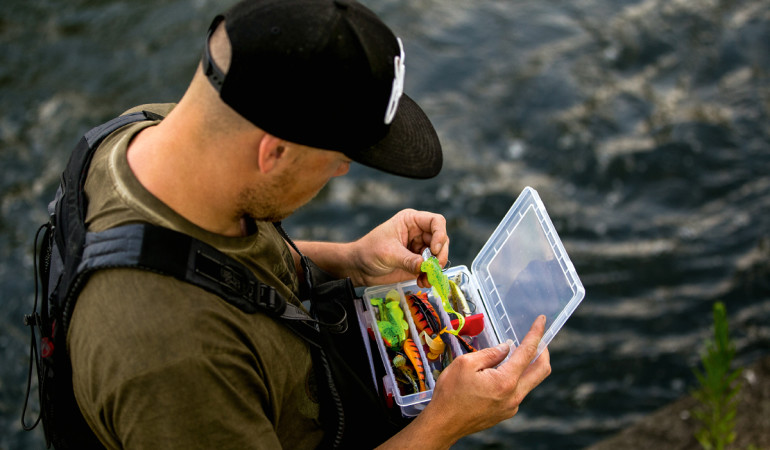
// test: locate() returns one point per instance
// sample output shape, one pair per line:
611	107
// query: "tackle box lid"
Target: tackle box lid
523	271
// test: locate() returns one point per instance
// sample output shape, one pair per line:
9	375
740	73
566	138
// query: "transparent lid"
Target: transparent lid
523	271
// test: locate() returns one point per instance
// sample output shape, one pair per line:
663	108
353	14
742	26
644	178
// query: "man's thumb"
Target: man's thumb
412	263
492	356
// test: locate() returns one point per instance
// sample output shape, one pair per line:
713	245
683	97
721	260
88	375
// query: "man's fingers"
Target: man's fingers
520	359
432	227
485	358
527	374
526	351
536	372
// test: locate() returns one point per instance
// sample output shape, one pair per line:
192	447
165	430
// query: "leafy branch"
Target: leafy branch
719	387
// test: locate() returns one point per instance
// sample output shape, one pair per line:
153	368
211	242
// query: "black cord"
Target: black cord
32	353
33	320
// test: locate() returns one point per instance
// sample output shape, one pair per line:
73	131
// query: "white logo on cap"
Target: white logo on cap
398	85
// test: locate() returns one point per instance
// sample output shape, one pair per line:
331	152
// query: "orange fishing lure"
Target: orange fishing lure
410	348
424	316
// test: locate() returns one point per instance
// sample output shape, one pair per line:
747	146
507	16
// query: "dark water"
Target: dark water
642	124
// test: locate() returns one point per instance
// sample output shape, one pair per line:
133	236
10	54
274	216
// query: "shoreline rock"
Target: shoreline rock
673	427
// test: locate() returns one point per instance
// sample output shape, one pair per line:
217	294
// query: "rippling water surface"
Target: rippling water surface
642	124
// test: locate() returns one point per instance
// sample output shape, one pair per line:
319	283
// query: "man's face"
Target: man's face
305	173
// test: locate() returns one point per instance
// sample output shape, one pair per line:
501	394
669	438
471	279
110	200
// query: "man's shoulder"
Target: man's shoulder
149	301
130	322
149	351
126	303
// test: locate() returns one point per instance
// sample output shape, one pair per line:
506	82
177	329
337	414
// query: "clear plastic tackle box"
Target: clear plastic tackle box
521	272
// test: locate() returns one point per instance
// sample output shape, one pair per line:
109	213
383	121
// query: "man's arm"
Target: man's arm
389	253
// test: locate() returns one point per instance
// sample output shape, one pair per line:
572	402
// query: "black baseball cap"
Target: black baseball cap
326	74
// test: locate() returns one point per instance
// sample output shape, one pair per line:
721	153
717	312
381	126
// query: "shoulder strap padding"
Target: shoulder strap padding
168	252
71	206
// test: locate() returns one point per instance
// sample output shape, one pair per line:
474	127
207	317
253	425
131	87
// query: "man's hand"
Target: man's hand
392	251
389	253
471	394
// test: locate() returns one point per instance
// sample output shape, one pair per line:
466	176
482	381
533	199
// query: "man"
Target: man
289	93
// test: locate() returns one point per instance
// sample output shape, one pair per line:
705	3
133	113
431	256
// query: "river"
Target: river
643	124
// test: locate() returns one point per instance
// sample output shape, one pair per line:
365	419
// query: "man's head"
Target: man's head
326	74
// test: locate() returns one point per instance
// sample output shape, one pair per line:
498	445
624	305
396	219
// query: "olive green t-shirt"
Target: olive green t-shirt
159	363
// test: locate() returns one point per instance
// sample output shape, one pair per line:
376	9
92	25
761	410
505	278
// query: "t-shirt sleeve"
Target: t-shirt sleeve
156	364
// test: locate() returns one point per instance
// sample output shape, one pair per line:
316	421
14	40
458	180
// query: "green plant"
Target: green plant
719	387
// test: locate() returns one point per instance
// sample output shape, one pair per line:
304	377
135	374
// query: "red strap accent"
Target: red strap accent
46	347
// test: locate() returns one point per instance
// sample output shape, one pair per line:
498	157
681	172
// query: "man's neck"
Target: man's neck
166	159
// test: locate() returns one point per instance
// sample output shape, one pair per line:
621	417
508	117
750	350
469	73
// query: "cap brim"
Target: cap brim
410	149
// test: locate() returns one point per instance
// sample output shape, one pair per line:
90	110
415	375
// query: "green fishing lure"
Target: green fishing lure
440	283
391	320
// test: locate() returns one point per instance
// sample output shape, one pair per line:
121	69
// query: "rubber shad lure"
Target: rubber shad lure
391	320
411	351
440	283
427	323
460	303
404	374
409	369
424	316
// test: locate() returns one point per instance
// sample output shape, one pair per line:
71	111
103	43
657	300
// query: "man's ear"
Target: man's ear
271	150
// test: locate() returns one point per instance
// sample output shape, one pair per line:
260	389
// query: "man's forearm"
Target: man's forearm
428	429
338	259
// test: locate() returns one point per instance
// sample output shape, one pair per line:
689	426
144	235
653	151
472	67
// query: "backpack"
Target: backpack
353	415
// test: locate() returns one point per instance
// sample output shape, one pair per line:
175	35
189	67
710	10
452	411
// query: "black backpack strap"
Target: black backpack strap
353	414
60	254
71	203
158	249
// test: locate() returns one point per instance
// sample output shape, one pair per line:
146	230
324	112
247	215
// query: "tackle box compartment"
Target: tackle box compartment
520	273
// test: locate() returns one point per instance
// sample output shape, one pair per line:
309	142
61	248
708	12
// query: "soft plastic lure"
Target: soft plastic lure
459	298
391	320
404	374
424	316
411	351
440	283
395	315
435	345
467	347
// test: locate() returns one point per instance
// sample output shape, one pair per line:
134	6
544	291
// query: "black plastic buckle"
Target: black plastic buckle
268	299
32	320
